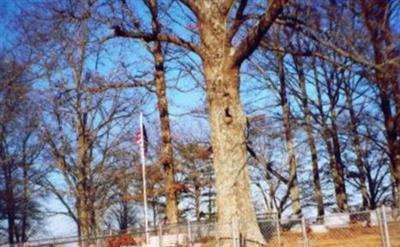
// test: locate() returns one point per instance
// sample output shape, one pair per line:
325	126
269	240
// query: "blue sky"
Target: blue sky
180	103
7	10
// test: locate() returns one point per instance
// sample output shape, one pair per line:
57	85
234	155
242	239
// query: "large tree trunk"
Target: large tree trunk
228	123
291	158
310	138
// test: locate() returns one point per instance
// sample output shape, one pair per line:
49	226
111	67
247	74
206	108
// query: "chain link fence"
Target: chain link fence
380	227
392	217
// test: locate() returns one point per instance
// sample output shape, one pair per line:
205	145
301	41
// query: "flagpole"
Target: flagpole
146	223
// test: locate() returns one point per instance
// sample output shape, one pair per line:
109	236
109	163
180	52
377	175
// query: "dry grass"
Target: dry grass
354	236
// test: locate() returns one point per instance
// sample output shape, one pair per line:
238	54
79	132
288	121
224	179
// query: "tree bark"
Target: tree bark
228	123
166	155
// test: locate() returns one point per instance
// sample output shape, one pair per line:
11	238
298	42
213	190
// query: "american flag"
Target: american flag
139	139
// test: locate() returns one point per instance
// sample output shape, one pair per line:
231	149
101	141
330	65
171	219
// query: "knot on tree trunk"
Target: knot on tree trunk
227	116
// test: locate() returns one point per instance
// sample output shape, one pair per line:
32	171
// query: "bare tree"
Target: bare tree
288	132
308	126
330	131
79	125
377	16
365	35
356	139
20	148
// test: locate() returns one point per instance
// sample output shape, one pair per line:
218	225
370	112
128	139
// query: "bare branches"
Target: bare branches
254	37
162	37
239	18
117	86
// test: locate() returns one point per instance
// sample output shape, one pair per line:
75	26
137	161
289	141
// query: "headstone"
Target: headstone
167	240
319	228
337	220
374	218
296	228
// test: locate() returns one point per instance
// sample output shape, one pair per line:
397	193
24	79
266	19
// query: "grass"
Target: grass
354	236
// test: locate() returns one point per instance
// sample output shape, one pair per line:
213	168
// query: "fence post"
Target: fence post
385	226
304	231
216	234
189	232
380	223
278	228
159	235
235	232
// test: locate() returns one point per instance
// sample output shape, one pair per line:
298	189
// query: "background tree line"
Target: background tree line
251	106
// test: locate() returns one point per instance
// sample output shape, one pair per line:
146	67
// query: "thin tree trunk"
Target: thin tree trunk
10	203
197	202
334	158
375	15
339	163
83	185
26	203
392	140
357	148
310	138
154	206
292	163
26	197
166	155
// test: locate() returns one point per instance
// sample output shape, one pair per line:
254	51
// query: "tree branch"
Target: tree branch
238	19
116	86
254	37
267	164
162	37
